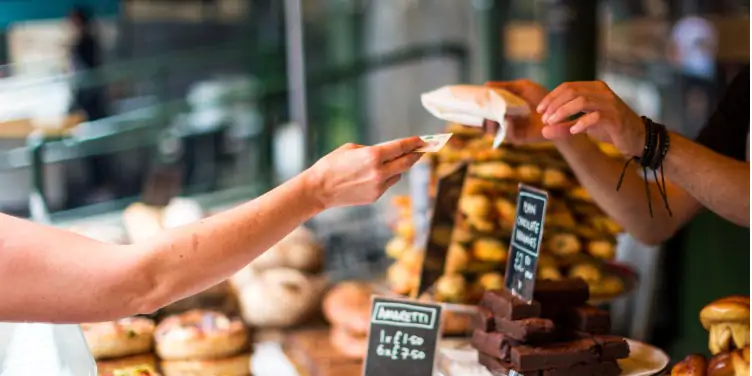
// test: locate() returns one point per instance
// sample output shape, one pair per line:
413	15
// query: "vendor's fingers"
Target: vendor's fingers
392	181
557	131
400	164
585	122
562	94
582	103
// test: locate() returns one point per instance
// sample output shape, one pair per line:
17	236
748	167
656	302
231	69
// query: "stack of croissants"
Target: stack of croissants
727	321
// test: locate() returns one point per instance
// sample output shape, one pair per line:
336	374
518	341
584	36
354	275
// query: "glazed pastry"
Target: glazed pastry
200	334
237	365
549	272
563	244
475	206
401	279
396	247
490	250
608	286
481	225
281	298
721	365
113	339
602	249
493	170
727	319
561	220
579	194
529	174
457	259
587	271
606	225
108	367
692	365
506	211
475	186
554	179
740	360
491	281
451	288
413	260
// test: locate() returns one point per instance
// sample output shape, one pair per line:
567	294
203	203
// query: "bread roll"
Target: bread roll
727	320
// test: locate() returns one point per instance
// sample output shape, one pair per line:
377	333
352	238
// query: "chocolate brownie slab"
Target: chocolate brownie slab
610	368
585	318
532	330
494	344
561	292
555	355
509	306
484	320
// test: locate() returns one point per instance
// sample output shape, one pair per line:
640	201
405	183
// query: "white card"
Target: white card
434	142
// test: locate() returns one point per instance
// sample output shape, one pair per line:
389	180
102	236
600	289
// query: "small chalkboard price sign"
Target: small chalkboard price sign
403	338
526	241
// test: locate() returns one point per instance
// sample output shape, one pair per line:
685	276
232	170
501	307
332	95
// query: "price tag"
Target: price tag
403	338
420	201
441	228
525	244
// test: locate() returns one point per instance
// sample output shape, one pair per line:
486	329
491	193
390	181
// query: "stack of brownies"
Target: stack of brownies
557	334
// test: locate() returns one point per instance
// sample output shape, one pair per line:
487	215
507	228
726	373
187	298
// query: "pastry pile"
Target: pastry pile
578	236
727	321
557	333
121	344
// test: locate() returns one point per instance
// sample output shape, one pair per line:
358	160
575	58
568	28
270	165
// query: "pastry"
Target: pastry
396	247
475	206
721	365
141	221
493	170
579	194
727	320
563	244
692	365
740	361
113	339
109	366
281	298
401	279
200	334
349	344
549	272
348	305
451	288
506	211
602	249
490	250
609	285
405	228
586	271
142	370
554	179
236	365
457	259
491	281
530	174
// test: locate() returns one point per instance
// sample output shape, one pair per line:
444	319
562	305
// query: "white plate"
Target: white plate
460	359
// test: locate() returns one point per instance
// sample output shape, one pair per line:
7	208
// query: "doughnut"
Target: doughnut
108	366
199	334
113	339
237	365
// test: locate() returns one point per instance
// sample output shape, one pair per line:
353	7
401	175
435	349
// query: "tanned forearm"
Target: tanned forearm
719	183
600	174
58	276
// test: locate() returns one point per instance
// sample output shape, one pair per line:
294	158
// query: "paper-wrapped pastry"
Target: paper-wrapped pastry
471	105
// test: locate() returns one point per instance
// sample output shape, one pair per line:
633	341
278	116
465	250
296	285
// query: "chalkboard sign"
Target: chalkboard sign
403	338
525	243
441	228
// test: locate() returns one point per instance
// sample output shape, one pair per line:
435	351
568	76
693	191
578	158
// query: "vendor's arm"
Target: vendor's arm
53	275
699	174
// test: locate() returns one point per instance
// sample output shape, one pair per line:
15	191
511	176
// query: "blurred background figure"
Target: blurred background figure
86	56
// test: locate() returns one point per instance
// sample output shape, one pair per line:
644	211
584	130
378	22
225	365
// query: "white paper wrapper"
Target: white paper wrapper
471	104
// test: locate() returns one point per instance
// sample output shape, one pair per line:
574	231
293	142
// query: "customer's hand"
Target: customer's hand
523	130
605	116
358	175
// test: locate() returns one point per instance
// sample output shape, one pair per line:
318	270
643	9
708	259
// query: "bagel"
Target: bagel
727	320
200	334
113	339
692	365
238	365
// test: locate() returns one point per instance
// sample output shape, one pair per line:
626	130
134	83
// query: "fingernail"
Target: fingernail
574	130
545	118
540	108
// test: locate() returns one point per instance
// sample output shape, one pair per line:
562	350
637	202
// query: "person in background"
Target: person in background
711	171
52	275
85	56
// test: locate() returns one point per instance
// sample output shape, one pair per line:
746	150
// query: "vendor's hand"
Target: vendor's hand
358	175
523	130
605	116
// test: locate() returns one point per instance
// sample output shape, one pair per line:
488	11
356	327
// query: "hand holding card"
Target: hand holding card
434	142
